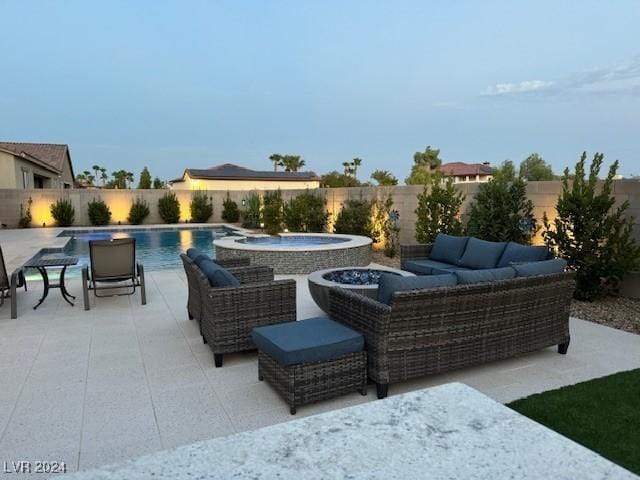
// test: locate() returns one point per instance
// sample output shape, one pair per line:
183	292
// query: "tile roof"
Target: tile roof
229	171
51	155
461	168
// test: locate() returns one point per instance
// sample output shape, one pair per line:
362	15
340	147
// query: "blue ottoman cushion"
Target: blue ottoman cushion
516	253
218	276
547	267
390	284
482	254
312	340
448	248
193	253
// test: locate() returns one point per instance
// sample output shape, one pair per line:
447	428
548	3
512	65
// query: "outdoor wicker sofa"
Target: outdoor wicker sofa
429	331
227	315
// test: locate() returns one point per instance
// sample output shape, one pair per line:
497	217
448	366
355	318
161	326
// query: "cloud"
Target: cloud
618	79
527	86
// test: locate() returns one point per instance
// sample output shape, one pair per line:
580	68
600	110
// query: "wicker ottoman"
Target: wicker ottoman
311	360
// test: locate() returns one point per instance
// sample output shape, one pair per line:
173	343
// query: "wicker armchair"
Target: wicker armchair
227	315
426	332
418	251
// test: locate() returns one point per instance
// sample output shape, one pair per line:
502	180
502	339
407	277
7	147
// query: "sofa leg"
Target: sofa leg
190	316
382	389
363	391
563	347
204	339
217	359
292	410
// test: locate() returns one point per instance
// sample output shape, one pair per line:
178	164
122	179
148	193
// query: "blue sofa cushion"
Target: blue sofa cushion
448	248
430	267
218	276
390	284
311	340
546	267
516	253
192	253
481	254
486	275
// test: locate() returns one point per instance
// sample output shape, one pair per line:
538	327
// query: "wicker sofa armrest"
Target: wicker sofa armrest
233	262
255	299
414	252
363	314
252	274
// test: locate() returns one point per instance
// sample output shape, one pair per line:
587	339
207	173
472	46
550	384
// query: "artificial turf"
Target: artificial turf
601	414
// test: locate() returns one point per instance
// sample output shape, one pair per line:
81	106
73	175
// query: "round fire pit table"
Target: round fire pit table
362	280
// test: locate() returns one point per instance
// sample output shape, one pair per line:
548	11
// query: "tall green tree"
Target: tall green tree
103	176
276	159
425	164
534	169
506	171
591	232
438	210
356	162
384	178
145	179
158	184
335	179
292	163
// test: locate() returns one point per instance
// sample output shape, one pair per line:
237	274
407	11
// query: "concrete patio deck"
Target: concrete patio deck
122	380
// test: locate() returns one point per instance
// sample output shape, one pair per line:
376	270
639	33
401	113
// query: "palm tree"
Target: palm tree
128	177
96	169
356	163
292	163
348	170
384	177
276	158
103	176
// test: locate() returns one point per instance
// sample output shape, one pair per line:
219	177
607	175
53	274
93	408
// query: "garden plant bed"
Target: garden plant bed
601	414
617	312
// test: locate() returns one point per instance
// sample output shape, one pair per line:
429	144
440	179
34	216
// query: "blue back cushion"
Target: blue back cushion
482	254
486	275
390	284
448	248
218	276
547	267
193	253
516	253
312	340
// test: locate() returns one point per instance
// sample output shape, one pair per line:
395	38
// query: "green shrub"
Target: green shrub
591	232
252	212
169	208
501	212
63	212
201	207
230	211
272	212
355	218
384	226
25	214
138	212
99	213
438	210
306	213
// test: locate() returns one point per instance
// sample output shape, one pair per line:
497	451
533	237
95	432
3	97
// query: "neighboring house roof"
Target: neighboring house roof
48	155
460	168
229	171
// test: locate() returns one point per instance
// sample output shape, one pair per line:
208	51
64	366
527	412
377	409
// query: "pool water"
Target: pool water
156	249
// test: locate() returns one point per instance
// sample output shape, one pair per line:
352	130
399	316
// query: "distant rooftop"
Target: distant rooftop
460	168
229	171
49	155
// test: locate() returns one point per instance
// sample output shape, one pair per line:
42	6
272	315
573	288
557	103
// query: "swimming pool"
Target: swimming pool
156	249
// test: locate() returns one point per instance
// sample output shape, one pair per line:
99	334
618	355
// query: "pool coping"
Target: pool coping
352	241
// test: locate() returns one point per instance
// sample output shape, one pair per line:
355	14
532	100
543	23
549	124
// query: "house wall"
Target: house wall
199	184
11	168
542	194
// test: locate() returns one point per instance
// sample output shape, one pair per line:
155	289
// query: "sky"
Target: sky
192	84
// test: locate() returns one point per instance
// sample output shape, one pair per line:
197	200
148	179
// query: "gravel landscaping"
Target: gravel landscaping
617	312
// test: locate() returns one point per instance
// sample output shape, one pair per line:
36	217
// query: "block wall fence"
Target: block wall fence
543	195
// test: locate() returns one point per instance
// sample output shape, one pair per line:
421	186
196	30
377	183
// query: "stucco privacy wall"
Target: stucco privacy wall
543	195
